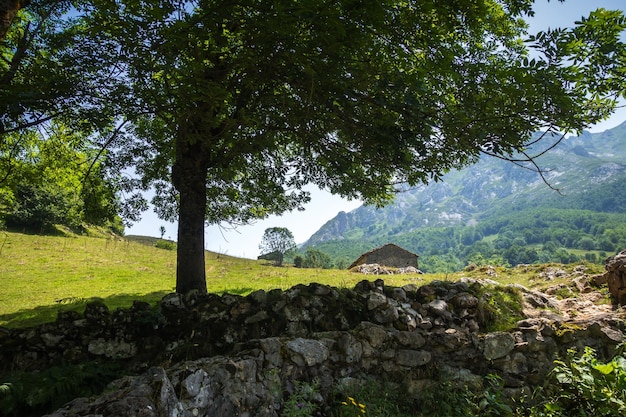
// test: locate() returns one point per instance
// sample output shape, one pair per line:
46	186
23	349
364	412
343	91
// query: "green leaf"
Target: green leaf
604	369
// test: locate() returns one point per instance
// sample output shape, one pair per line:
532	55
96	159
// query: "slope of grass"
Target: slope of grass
42	275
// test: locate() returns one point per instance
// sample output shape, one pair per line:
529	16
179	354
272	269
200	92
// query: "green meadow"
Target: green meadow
42	275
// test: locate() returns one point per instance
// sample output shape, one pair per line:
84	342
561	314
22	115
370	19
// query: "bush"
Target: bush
39	208
316	259
384	399
165	244
372	398
584	386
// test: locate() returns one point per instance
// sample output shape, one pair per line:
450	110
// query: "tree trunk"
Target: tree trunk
189	177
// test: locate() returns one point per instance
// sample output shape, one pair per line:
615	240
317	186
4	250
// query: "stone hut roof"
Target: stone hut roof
388	247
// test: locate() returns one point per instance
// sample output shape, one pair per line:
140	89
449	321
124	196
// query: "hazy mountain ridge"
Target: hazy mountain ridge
589	171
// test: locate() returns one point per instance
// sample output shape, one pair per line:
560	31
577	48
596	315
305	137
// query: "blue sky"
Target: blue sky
244	240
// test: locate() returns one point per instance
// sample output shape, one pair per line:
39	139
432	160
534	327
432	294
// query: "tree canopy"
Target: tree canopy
229	108
276	243
51	177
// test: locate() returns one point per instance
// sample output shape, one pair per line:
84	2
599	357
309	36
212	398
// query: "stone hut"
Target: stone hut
389	255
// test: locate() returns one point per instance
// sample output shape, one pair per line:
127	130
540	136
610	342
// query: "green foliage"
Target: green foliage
39	208
372	398
455	400
384	399
165	244
499	307
38	78
26	393
278	242
316	259
530	236
53	179
584	385
302	402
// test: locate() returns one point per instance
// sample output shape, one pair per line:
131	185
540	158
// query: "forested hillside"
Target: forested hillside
497	212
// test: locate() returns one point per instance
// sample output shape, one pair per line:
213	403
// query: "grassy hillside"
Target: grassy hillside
42	275
45	274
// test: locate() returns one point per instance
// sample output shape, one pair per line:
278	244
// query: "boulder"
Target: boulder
616	277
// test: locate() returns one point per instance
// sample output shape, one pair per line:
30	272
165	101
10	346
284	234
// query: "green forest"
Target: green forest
524	237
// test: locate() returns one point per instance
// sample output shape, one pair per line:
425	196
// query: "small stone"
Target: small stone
439	307
376	335
398	294
96	310
172	302
464	300
498	345
376	300
413	358
258	317
410	339
388	315
312	351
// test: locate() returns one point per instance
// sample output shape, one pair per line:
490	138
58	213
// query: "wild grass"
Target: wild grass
42	275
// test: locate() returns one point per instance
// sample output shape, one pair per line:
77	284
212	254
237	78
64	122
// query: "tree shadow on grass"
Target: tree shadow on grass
48	313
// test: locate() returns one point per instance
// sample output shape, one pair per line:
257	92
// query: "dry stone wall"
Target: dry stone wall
210	355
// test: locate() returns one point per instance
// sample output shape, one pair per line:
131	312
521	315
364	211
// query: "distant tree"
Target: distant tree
342	263
586	243
277	241
314	258
565	257
162	231
592	257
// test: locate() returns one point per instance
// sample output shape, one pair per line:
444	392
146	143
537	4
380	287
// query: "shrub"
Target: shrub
39	208
302	403
585	386
165	244
384	399
372	398
316	259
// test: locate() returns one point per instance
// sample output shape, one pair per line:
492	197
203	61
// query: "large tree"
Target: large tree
233	106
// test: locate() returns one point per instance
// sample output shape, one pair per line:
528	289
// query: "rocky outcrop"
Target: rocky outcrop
615	277
210	355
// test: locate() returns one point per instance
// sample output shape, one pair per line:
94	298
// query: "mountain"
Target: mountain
493	197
